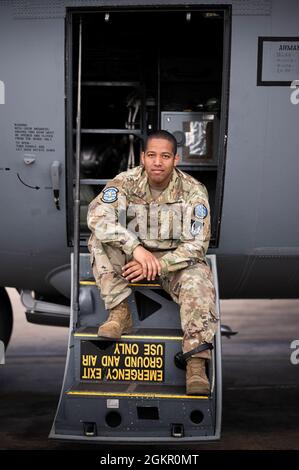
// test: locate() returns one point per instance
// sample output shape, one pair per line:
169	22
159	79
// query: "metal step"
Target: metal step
143	358
114	393
136	390
137	333
122	413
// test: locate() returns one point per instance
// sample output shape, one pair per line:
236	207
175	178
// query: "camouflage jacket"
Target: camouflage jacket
125	215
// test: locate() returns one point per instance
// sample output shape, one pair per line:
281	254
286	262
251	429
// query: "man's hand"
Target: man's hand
133	271
151	266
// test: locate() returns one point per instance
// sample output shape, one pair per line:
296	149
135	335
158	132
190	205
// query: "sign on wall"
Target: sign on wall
278	61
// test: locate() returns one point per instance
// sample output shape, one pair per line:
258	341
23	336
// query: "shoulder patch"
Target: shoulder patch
110	194
196	227
200	211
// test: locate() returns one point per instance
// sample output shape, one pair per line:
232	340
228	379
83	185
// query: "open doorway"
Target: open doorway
145	69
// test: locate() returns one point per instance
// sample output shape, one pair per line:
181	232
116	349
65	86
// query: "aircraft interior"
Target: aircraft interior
141	71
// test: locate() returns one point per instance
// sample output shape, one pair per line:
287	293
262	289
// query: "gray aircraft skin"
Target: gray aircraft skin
255	201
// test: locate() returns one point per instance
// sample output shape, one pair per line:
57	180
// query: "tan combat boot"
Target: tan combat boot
197	382
119	322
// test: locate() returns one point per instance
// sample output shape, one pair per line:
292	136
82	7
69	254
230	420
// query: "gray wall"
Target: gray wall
261	184
33	231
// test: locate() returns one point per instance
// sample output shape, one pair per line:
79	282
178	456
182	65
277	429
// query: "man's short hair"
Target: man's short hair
162	134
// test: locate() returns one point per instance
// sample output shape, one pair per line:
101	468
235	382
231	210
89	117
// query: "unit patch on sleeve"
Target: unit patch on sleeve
200	211
196	227
110	194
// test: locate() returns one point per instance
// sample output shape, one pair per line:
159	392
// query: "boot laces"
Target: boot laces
197	366
118	312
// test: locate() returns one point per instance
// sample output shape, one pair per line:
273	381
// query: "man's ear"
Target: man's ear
142	158
176	159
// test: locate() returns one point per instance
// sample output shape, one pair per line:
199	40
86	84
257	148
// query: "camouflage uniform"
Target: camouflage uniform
124	215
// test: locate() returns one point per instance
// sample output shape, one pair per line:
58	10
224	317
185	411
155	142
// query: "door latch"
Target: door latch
55	179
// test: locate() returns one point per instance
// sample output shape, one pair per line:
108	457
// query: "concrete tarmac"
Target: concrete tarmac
260	383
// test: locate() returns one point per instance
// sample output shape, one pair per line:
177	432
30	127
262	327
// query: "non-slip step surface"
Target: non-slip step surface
137	333
132	390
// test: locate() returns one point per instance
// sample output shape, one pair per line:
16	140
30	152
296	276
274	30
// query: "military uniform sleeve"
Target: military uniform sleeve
196	231
106	218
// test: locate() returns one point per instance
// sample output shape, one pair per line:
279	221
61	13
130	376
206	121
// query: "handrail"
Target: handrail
75	280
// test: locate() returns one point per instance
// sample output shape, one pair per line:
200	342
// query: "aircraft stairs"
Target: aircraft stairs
131	389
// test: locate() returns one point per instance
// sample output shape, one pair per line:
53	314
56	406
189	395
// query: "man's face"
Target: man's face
159	161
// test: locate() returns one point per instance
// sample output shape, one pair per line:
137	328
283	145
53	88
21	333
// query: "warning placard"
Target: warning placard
122	361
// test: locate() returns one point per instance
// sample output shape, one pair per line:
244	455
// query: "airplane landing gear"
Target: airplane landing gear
6	320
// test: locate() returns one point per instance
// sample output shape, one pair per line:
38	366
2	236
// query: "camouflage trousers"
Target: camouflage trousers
192	288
